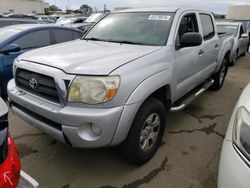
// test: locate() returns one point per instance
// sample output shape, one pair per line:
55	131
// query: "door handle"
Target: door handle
201	52
216	45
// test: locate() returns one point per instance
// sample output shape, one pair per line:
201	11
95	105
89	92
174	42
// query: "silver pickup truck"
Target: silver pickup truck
114	86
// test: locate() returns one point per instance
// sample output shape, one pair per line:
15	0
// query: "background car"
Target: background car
17	39
94	18
15	21
241	38
69	22
234	170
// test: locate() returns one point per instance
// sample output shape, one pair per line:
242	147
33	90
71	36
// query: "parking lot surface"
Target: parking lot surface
188	156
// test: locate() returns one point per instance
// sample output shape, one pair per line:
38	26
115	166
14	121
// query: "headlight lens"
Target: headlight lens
93	90
241	132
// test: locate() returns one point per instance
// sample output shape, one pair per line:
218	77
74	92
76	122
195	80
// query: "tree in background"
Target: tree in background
54	8
86	10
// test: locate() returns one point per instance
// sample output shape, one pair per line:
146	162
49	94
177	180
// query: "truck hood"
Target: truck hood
87	57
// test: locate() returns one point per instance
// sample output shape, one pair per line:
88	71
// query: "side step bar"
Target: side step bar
192	97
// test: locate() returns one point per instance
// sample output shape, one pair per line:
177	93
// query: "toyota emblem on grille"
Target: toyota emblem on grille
33	83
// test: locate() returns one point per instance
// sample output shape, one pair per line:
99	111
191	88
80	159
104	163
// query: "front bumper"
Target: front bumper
72	125
233	171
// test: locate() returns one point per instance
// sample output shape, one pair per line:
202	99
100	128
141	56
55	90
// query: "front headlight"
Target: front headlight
93	90
241	131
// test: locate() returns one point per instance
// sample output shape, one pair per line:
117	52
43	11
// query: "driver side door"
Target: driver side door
187	58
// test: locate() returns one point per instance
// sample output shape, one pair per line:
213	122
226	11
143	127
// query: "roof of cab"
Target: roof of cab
158	9
152	9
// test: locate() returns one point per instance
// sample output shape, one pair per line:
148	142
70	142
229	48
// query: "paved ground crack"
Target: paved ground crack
146	179
199	118
208	130
25	150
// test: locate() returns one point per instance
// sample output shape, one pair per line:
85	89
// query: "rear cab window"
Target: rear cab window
207	25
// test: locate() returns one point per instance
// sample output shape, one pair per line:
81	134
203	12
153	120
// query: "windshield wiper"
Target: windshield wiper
126	42
94	39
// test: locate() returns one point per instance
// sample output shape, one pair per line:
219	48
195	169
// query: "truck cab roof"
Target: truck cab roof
158	9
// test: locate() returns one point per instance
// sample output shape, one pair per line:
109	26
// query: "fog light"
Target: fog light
96	130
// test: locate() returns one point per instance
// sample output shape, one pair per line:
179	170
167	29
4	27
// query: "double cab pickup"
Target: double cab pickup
115	85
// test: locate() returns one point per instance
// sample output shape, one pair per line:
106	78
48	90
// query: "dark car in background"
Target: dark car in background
15	21
18	39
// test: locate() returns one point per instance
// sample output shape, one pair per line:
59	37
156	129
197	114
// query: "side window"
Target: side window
207	26
34	39
63	35
188	24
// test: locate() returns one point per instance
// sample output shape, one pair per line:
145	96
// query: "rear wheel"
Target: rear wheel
220	76
146	132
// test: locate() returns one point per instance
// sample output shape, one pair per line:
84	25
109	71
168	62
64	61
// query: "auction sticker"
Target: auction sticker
159	17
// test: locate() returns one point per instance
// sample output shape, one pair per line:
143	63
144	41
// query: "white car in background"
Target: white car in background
241	38
234	171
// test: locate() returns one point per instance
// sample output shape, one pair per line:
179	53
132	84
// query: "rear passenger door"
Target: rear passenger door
210	48
65	35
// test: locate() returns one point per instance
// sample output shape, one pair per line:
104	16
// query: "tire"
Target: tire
220	76
146	132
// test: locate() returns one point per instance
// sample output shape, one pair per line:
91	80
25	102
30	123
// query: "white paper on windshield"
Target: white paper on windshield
159	17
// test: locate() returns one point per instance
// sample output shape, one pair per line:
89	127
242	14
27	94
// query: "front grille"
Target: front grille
38	84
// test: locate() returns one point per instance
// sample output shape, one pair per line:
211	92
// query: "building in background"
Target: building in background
238	12
23	6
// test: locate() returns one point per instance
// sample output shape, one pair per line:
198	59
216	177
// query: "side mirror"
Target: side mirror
190	40
3	110
244	36
12	48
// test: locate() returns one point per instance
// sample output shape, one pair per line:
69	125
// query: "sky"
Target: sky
217	6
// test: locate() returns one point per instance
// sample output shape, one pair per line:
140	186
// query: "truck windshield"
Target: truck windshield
133	28
95	18
223	29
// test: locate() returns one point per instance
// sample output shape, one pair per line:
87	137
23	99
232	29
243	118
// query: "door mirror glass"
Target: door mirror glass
12	48
244	36
190	40
3	110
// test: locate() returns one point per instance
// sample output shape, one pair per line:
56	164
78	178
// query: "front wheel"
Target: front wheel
146	132
220	76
